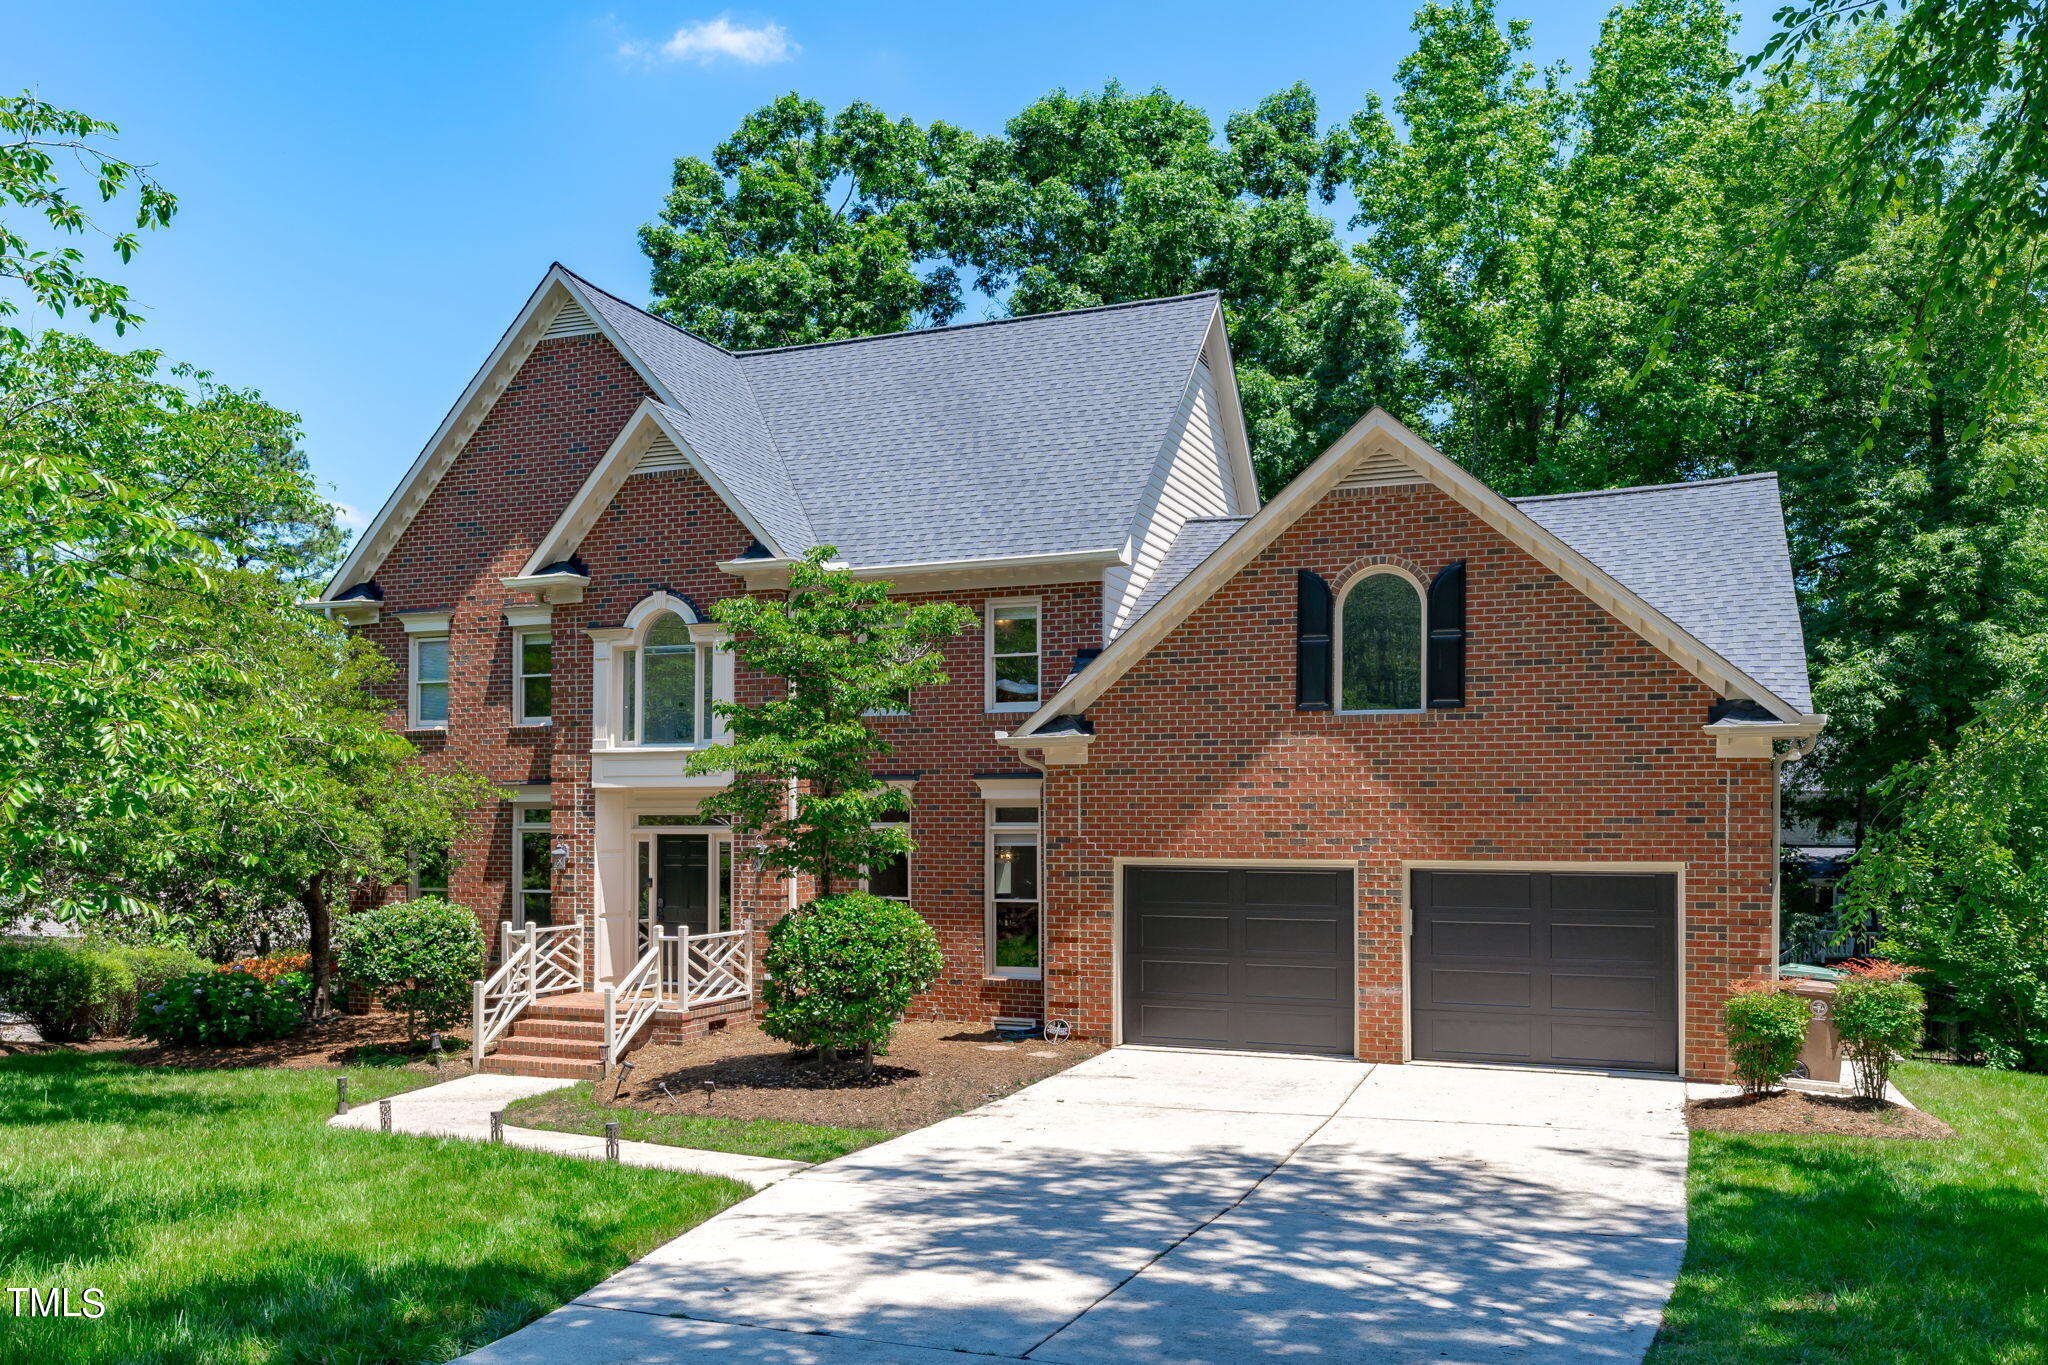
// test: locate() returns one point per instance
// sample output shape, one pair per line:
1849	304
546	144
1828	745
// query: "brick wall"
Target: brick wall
1578	743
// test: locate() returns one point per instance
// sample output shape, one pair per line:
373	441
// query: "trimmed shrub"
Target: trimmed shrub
151	968
215	1007
1878	1012
1766	1028
65	990
417	957
842	970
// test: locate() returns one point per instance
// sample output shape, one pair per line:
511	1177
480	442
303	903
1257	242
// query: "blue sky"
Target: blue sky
369	192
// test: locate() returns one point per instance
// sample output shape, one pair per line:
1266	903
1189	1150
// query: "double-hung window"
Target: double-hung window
429	702
533	654
890	877
1015	912
533	864
430	874
1014	656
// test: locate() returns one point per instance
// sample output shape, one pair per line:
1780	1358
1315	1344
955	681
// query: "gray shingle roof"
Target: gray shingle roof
1197	539
1710	555
1022	436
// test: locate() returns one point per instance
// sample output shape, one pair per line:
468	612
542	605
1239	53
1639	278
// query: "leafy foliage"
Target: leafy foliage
1878	1012
223	1007
417	956
33	136
843	650
1959	882
69	993
1766	1028
149	967
842	969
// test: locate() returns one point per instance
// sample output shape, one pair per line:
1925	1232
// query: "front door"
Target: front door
676	890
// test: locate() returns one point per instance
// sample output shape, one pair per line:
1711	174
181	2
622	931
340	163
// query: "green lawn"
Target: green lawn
577	1111
224	1222
1861	1249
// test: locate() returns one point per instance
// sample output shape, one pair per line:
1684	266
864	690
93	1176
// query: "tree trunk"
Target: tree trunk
319	939
867	1061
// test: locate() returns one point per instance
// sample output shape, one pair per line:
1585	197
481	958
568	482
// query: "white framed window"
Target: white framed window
890	878
533	676
1016	912
533	865
430	875
429	674
665	681
1015	656
1380	640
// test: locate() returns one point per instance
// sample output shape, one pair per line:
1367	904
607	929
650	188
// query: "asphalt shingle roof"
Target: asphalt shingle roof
1710	555
1197	539
1034	435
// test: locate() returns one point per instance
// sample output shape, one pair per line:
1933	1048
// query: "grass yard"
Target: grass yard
224	1222
576	1110
1863	1249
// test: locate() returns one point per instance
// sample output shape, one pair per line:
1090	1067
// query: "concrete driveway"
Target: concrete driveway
1157	1206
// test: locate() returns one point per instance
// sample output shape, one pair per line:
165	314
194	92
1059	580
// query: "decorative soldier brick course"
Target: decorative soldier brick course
1579	743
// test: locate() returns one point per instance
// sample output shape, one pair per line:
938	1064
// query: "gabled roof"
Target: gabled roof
1198	538
1710	555
1000	440
1377	439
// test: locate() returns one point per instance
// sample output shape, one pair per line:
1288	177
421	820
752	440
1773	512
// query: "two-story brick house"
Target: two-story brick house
1390	766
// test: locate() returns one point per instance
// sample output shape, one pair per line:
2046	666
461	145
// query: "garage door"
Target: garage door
1238	958
1560	968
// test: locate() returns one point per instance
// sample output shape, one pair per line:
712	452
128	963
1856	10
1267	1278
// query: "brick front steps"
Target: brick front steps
562	1036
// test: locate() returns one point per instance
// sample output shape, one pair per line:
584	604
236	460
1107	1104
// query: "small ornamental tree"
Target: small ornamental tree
804	790
842	970
1878	1012
416	956
1766	1028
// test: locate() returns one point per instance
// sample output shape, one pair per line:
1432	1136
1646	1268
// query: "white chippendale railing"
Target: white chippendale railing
532	961
679	970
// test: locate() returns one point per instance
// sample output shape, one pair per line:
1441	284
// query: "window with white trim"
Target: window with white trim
1380	643
889	878
1015	911
666	686
1014	655
429	671
533	657
430	874
533	865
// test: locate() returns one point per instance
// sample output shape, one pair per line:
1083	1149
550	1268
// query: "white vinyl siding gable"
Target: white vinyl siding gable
1193	479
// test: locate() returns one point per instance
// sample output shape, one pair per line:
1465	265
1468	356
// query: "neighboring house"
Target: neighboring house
1390	766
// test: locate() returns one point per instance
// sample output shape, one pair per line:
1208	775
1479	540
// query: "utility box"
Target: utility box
1822	1056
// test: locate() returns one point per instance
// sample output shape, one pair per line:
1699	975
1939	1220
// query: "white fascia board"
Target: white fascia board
609	475
1374	432
484	389
1236	440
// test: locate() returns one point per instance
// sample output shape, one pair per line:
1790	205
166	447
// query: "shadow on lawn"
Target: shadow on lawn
61	1086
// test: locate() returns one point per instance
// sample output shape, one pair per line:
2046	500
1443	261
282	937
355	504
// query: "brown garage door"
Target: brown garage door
1559	968
1238	958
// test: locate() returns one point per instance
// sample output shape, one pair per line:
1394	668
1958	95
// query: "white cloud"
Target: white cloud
710	40
350	517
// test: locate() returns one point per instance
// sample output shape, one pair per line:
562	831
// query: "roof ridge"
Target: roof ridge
1770	474
983	322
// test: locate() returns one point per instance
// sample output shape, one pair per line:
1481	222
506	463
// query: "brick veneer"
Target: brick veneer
1578	743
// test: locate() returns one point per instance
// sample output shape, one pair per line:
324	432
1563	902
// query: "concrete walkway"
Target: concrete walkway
462	1109
1155	1206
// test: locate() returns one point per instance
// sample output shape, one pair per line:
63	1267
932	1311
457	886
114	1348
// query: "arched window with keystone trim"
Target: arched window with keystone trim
1380	640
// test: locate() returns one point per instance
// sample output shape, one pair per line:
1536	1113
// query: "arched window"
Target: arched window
665	685
1379	659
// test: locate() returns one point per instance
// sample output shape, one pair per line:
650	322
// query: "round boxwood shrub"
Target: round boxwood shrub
416	957
1878	1012
65	990
217	1007
1766	1028
842	969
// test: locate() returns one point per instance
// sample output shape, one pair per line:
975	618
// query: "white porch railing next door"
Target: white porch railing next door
533	961
679	970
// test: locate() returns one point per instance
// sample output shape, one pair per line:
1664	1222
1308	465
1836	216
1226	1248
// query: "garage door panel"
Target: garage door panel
1167	977
1460	937
1453	987
1583	974
1196	933
1266	933
1239	958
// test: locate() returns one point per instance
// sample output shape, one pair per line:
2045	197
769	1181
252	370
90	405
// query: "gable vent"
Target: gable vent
572	321
1382	470
662	454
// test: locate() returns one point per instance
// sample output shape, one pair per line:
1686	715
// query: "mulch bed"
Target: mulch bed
373	1039
933	1069
1803	1114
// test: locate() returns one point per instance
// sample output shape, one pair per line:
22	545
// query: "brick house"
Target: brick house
1389	766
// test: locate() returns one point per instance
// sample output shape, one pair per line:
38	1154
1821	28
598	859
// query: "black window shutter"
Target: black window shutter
1312	663
1446	680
